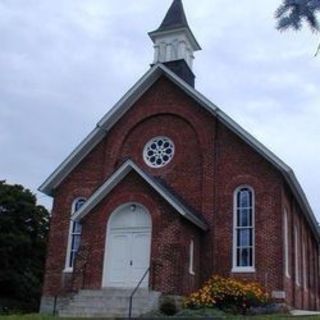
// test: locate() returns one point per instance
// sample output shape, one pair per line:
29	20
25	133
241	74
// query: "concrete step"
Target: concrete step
111	302
299	313
111	292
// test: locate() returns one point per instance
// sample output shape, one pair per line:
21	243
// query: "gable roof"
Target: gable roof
124	104
119	175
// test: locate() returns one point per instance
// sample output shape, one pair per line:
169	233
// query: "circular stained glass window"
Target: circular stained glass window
158	152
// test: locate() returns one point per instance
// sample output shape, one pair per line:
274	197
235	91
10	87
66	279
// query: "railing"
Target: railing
134	292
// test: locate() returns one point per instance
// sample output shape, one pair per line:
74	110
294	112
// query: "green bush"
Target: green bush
168	306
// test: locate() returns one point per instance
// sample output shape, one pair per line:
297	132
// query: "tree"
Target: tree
23	238
292	14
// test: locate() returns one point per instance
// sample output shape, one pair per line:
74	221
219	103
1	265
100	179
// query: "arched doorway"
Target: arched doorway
127	249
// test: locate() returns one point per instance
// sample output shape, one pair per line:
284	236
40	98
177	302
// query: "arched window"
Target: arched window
296	253
191	258
243	230
74	235
286	242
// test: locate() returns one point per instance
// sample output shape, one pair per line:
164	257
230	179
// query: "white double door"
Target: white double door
128	258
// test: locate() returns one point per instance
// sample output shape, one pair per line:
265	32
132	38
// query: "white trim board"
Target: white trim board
124	104
118	176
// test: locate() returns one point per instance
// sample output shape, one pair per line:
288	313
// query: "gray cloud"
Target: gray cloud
64	63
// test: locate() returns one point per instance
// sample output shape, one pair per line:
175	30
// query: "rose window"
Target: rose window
158	152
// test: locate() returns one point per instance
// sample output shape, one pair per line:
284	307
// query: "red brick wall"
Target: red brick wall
302	297
237	164
171	235
209	164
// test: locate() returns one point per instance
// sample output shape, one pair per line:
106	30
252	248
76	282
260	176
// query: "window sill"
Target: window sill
68	270
192	273
243	270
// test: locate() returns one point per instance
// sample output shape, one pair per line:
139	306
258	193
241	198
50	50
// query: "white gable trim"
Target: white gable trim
101	130
107	122
118	176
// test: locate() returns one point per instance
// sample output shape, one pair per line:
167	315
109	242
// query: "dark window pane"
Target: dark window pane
75	243
238	199
76	228
244	257
244	200
244	237
244	218
71	259
79	204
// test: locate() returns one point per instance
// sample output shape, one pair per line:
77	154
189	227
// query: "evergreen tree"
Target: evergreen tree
23	238
292	14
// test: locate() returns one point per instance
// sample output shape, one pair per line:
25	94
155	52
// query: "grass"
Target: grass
228	317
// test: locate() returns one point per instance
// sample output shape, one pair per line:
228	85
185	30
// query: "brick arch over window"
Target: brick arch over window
165	98
163	122
187	163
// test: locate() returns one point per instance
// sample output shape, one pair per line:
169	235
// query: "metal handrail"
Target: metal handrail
134	292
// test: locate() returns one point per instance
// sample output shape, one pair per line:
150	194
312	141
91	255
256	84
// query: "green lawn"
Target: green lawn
266	317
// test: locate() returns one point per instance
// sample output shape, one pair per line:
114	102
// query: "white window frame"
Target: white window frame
69	268
296	252
286	242
159	152
235	267
304	266
191	258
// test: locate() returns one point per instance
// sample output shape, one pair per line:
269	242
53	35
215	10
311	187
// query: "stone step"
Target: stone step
111	302
104	308
105	313
114	292
95	315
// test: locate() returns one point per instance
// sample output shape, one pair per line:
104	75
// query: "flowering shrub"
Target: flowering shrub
228	294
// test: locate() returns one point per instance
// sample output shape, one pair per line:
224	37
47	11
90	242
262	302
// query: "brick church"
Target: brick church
169	186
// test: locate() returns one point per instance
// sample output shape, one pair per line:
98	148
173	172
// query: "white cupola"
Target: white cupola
174	40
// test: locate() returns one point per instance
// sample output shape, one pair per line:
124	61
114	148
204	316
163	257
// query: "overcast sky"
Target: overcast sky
64	64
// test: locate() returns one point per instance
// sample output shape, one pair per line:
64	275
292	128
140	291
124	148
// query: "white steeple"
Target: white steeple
173	40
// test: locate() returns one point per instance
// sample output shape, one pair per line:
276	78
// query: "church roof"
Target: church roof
124	104
175	17
119	175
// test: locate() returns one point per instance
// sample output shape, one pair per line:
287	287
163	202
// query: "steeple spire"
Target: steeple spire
175	17
174	40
